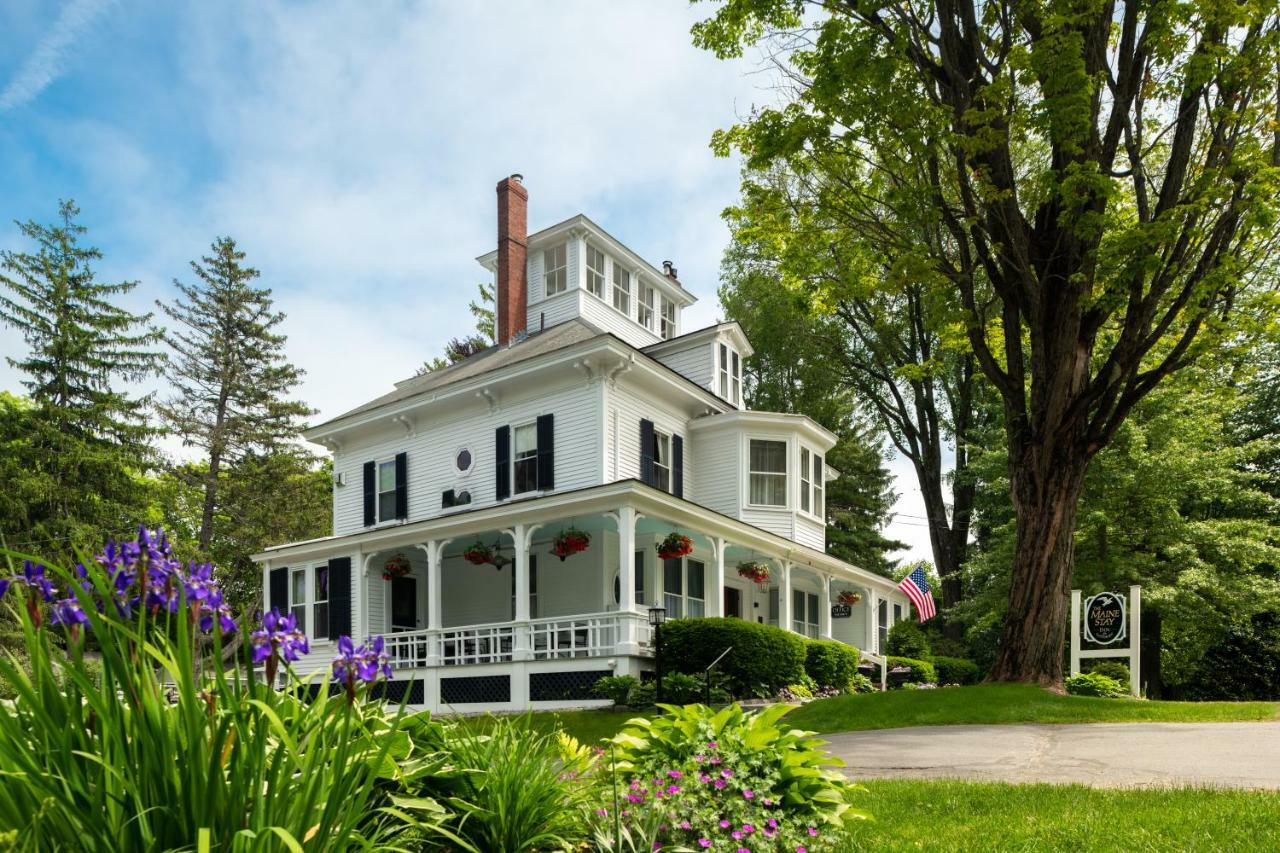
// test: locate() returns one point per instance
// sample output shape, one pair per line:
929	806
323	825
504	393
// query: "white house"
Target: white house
596	411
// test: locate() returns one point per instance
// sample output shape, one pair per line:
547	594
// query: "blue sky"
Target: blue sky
352	150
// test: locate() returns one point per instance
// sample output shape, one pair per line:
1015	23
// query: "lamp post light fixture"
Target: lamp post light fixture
657	615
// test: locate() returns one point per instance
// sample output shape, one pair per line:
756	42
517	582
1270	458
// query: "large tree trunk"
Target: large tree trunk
1045	499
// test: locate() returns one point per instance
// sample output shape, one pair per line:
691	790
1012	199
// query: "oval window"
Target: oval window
463	460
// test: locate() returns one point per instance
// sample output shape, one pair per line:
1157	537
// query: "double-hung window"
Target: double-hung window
724	372
684	588
320	603
668	319
621	289
644	310
298	597
736	377
595	271
819	488
811	483
804	612
768	473
555	269
525	458
662	461
387	490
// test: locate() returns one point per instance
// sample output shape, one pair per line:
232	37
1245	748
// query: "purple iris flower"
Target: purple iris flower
33	576
366	662
67	611
278	634
213	606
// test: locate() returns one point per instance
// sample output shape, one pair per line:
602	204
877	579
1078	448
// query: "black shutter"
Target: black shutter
646	452
402	485
370	494
502	457
278	590
546	452
339	597
677	466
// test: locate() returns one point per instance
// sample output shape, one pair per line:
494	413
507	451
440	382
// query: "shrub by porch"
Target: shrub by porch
763	660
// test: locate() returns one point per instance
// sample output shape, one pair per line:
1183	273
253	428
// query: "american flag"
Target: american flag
916	588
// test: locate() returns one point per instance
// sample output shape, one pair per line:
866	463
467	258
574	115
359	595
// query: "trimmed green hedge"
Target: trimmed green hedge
921	670
907	639
831	663
955	670
763	661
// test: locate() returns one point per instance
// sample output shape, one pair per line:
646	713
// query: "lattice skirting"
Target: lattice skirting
475	689
564	686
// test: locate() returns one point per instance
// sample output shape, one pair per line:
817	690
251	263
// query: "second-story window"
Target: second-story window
555	269
621	289
736	376
724	371
525	458
668	319
662	461
768	473
387	490
644	311
806	484
819	488
811	482
595	271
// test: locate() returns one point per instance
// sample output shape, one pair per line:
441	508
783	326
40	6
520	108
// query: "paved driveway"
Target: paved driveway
1243	755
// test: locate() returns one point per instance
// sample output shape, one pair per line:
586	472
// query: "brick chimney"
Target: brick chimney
513	233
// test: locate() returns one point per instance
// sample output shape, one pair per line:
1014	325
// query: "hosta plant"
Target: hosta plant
702	779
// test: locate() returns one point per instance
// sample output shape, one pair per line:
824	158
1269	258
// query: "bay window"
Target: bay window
595	271
555	269
768	473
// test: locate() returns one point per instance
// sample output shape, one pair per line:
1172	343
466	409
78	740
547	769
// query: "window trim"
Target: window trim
305	573
661	441
589	270
378	491
308	605
747	472
516	427
460	472
549	253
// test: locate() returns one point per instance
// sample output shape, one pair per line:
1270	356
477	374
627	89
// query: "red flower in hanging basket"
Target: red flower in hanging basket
674	546
479	554
397	567
849	597
754	572
569	542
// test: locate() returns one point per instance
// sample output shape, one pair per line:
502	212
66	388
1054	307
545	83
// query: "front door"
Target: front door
732	602
404	603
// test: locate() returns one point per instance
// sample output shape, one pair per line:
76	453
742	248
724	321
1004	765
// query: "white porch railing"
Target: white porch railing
590	635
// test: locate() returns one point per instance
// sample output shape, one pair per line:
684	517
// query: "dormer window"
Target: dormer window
644	314
668	319
730	375
621	289
555	269
595	271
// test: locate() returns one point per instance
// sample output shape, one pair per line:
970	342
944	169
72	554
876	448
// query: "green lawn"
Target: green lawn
915	815
1008	703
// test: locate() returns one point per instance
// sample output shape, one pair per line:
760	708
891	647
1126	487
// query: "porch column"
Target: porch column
715	594
521	535
872	609
784	596
625	517
824	606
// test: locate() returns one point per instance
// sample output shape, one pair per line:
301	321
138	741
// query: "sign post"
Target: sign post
1103	621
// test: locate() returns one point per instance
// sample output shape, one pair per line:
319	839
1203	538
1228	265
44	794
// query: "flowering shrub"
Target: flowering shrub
396	567
157	746
754	572
570	542
674	546
699	779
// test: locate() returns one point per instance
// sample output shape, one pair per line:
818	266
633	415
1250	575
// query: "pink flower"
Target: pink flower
684	824
773	824
746	827
750	793
801	850
737	836
704	842
656	846
602	812
713	745
813	832
724	824
720	784
703	777
726	773
673	789
674	774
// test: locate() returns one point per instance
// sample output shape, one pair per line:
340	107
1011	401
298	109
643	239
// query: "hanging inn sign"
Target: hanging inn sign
1107	619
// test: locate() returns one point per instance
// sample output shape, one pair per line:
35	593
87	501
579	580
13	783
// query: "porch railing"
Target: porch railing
590	635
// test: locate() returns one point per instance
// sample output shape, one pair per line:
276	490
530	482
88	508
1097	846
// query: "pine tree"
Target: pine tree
229	371
88	441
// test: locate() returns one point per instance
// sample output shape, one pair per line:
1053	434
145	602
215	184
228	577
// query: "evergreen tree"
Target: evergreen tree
87	441
229	371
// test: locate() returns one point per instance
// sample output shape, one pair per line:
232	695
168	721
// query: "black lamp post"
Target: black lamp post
657	615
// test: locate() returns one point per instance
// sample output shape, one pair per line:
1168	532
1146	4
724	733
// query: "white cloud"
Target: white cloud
48	61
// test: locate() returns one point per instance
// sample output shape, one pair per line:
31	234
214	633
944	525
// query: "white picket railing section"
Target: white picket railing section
590	635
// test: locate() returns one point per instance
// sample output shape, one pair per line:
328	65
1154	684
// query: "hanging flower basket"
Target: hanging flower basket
676	545
849	597
754	572
480	554
570	542
397	567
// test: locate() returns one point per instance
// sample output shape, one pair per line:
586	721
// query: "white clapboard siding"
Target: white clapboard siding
811	532
695	363
628	406
716	468
775	520
436	442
